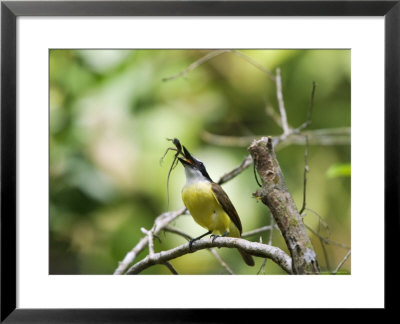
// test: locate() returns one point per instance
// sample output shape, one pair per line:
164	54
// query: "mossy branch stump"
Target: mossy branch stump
276	196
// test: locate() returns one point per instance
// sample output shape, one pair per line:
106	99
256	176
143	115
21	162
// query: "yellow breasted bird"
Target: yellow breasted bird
208	203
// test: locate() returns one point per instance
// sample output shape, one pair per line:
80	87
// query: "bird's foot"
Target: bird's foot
214	236
195	239
190	244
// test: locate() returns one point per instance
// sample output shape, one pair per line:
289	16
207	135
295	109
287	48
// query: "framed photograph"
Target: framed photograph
157	155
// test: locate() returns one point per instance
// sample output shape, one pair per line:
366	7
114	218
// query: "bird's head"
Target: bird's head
193	166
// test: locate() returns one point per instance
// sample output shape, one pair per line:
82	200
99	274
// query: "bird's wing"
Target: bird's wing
226	204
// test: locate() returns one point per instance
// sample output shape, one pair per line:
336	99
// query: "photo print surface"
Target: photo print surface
200	161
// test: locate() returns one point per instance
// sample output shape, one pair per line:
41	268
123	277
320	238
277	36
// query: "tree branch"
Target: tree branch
276	196
325	137
160	222
253	248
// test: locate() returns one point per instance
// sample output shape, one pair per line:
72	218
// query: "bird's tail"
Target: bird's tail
234	232
247	258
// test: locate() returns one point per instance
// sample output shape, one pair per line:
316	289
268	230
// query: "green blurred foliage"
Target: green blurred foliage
110	113
339	170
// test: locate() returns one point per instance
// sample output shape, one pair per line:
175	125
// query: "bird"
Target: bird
209	204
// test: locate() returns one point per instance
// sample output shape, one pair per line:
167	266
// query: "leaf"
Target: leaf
339	170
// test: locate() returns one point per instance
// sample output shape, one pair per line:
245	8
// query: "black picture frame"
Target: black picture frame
10	11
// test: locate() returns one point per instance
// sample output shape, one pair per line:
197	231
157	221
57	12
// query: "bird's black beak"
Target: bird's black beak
192	162
188	160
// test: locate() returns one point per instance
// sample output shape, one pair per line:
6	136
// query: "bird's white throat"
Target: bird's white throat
194	176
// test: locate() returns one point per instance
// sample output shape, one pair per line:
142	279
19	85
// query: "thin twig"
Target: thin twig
195	64
271	233
281	104
274	115
244	165
174	230
227	141
262	269
255	64
215	53
308	121
325	240
170	267
342	262
306	170
257	231
321	220
324	137
160	222
221	261
328	266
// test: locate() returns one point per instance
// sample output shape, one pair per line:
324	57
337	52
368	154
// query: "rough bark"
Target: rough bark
276	196
253	248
